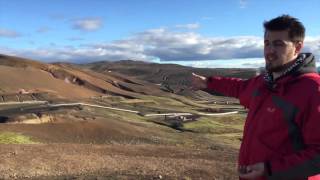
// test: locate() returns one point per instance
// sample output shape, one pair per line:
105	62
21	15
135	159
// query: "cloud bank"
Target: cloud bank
159	45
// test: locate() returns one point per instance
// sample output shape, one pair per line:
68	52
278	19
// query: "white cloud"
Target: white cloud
167	45
312	44
243	3
87	24
188	26
8	33
163	45
78	55
220	63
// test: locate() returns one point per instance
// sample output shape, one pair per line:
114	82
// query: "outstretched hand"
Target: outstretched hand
198	82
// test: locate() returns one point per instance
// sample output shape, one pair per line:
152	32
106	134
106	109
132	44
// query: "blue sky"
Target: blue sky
194	32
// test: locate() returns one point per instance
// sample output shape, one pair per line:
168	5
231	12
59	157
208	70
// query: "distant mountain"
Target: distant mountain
171	76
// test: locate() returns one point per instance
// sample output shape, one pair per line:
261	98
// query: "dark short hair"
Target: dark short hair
285	22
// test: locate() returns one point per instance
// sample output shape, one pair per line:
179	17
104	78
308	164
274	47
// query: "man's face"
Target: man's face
279	50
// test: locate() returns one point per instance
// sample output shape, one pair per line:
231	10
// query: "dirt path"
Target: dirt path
76	161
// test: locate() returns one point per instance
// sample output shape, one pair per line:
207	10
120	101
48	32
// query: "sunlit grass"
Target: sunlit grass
15	138
216	125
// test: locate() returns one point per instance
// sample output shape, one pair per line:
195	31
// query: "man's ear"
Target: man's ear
299	46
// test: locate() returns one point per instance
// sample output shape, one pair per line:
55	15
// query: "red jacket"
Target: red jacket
282	127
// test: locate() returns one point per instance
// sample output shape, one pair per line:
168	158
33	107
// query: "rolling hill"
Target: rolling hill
52	135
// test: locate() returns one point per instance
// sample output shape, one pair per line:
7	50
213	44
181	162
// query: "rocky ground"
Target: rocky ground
113	149
118	161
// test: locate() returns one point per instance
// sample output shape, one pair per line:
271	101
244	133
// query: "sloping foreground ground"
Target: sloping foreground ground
100	144
113	149
76	161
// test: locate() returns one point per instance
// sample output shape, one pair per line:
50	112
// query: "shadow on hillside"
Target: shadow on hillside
3	119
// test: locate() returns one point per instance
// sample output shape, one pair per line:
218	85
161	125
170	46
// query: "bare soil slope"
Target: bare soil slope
106	148
98	143
66	81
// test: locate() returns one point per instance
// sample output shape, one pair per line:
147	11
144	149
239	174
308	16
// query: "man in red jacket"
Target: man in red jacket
281	138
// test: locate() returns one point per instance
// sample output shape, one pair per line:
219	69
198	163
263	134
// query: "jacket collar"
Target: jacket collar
305	63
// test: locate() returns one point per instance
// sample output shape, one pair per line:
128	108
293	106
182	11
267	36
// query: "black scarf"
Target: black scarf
268	77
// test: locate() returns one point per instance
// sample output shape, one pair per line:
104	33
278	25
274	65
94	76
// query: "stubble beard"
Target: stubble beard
274	68
271	65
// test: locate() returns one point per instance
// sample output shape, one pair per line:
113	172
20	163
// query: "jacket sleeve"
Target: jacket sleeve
306	161
233	87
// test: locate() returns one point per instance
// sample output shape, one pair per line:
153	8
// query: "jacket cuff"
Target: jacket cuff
268	170
209	82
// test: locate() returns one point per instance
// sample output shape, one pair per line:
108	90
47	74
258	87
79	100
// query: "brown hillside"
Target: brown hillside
67	81
172	73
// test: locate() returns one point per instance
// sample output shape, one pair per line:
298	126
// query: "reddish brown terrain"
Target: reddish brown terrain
114	138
